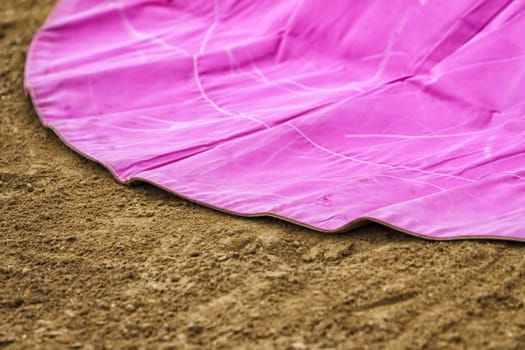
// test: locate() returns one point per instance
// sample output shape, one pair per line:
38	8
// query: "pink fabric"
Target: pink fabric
325	113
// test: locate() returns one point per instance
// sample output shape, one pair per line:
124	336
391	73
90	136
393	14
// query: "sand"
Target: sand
88	263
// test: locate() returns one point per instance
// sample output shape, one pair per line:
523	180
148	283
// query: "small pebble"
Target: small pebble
158	287
174	278
29	188
195	253
194	328
455	338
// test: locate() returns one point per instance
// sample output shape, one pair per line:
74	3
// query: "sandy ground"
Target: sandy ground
88	263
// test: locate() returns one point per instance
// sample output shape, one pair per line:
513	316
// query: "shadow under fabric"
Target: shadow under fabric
411	113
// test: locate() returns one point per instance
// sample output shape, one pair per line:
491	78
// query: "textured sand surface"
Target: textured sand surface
88	263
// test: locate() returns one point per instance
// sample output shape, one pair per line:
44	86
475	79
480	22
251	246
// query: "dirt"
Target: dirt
87	263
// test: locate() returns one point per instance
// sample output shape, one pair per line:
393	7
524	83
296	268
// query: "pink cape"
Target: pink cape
323	113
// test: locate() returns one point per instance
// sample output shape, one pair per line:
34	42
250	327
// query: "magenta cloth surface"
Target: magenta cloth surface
324	113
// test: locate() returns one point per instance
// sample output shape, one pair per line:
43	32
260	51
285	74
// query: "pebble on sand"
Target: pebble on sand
194	328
